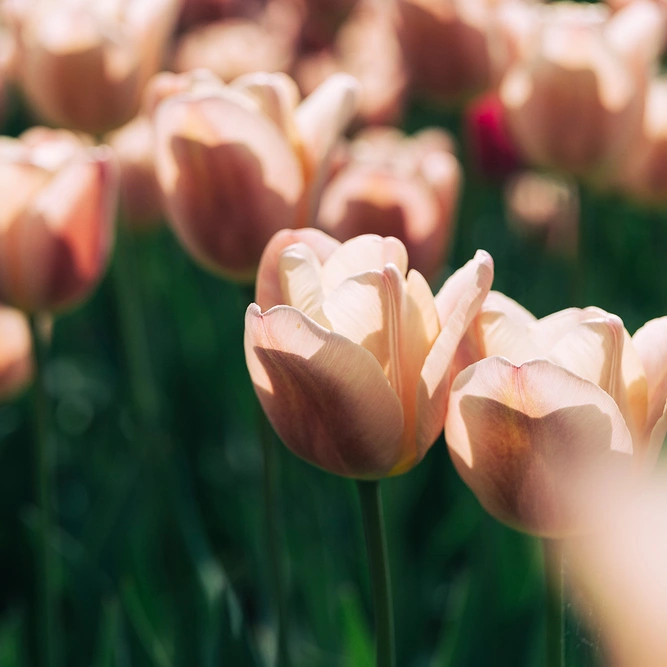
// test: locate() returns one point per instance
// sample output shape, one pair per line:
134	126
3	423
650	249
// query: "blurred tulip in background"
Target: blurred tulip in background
56	224
16	367
83	63
393	185
237	163
553	403
350	359
583	65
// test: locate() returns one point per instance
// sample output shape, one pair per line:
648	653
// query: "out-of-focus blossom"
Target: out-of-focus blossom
575	102
493	151
366	47
643	173
399	186
544	208
56	223
552	404
349	358
206	11
15	353
240	45
445	46
83	63
237	163
322	19
140	194
618	574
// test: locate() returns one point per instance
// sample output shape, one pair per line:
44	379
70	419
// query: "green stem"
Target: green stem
273	541
555	575
45	591
376	547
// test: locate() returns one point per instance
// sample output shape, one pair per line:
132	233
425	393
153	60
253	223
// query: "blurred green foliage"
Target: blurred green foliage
160	551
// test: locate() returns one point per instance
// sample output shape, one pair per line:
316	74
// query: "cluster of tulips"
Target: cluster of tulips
555	424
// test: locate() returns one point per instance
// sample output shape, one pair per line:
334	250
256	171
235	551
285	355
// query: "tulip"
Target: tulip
56	224
545	208
643	175
445	46
395	185
547	404
349	358
84	63
322	19
140	194
366	47
237	163
263	41
587	66
16	368
205	11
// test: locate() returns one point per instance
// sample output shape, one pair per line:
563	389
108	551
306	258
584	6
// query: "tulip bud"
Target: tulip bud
56	226
15	353
349	357
237	163
84	63
405	187
582	67
445	46
548	406
140	194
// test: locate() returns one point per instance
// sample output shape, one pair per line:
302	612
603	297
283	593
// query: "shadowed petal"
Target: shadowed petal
458	302
327	397
529	439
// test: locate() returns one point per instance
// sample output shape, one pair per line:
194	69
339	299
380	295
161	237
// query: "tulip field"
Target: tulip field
333	333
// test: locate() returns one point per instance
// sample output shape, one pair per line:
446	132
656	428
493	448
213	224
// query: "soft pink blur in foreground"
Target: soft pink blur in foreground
393	185
619	572
553	404
350	357
238	162
56	223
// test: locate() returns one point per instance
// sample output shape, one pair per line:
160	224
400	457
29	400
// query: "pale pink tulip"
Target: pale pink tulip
366	47
445	46
140	194
643	173
575	101
237	163
552	404
84	63
56	224
546	209
16	367
350	359
401	186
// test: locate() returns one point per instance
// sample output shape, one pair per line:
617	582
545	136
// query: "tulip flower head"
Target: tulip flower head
550	404
237	163
84	63
401	186
16	367
56	224
349	357
575	100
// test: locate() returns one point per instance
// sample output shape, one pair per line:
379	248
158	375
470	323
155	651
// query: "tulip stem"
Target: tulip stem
554	569
370	499
273	541
44	565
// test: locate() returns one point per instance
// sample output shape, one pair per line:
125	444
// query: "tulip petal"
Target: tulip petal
657	439
269	290
327	397
362	253
650	342
229	176
460	300
529	440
